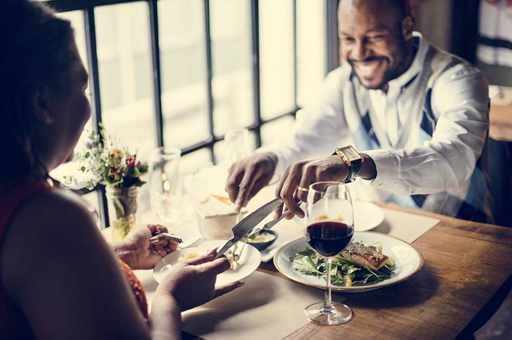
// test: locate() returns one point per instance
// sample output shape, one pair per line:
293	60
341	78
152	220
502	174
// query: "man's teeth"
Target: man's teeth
368	69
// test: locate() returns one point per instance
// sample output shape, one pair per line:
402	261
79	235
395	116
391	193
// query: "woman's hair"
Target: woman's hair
35	50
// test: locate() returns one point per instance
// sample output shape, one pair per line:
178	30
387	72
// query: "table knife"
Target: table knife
249	222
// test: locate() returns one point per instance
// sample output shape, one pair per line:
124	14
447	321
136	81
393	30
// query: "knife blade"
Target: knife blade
249	222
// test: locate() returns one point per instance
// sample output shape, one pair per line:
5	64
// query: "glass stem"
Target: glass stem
327	299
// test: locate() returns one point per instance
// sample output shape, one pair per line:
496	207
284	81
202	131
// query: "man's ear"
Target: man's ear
42	110
408	25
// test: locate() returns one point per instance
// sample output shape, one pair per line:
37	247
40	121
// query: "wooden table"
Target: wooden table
466	275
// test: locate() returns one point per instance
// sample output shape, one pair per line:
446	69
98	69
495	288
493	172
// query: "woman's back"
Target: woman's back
56	267
12	321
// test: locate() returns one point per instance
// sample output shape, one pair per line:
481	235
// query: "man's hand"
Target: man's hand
249	176
138	252
300	175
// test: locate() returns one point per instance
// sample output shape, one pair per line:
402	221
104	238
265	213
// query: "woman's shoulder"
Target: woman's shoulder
43	228
52	214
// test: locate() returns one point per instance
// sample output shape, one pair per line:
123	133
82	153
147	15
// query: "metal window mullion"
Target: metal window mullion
210	143
295	57
331	35
156	70
209	77
92	56
73	5
255	26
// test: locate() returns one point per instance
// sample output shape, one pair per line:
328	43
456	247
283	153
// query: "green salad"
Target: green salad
344	272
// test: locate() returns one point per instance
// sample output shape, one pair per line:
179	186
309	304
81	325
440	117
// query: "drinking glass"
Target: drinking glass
329	229
165	183
237	145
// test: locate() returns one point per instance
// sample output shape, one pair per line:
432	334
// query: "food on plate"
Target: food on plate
261	237
233	261
355	266
221	199
188	256
366	256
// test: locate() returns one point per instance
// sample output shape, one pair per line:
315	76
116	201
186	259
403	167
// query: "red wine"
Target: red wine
329	238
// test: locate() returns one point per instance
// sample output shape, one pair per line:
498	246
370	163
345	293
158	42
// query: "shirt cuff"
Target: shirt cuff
387	165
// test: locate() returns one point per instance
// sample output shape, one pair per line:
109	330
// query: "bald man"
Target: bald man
408	119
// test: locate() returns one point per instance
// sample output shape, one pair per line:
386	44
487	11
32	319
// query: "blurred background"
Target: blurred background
184	72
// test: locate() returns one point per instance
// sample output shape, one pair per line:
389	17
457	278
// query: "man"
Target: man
419	114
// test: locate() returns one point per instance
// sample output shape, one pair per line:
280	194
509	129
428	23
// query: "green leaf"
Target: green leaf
305	265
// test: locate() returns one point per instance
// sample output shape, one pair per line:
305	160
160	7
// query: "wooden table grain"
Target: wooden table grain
466	275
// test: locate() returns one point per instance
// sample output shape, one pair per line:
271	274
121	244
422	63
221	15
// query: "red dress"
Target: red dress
13	324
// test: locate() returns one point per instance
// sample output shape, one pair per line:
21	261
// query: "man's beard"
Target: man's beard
393	71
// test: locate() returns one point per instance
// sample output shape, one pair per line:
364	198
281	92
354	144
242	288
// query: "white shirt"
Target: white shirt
447	161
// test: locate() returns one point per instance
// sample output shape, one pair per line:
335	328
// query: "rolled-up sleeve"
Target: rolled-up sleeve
460	96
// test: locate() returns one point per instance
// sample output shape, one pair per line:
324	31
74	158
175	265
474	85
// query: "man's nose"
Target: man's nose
360	50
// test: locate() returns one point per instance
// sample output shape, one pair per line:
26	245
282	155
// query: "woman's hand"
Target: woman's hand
191	283
138	252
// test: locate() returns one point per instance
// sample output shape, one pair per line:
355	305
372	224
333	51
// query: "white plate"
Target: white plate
367	215
408	260
249	261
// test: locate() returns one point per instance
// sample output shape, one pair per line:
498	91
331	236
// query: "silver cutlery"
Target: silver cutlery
249	222
196	243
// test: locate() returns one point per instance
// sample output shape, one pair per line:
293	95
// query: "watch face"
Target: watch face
350	153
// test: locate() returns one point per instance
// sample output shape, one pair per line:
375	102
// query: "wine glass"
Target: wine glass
329	229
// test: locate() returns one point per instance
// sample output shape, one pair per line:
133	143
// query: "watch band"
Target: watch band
353	171
354	165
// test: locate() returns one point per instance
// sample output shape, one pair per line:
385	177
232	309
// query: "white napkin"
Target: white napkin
266	307
405	226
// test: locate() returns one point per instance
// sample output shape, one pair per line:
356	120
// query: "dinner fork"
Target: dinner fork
196	243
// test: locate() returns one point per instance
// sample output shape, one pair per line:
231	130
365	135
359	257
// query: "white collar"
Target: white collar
421	46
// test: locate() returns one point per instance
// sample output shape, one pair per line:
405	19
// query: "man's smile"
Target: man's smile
368	69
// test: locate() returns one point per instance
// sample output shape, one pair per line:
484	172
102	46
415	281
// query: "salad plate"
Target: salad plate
408	261
367	216
249	262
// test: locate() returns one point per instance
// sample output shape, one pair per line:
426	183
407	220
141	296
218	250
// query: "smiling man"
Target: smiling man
409	119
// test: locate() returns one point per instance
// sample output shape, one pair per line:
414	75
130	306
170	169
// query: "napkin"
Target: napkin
405	226
254	311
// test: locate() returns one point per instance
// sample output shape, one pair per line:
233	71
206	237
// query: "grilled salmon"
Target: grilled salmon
365	256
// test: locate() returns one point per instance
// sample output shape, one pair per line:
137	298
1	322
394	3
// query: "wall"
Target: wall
434	21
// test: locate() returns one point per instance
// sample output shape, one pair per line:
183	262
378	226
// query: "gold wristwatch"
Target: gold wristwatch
352	158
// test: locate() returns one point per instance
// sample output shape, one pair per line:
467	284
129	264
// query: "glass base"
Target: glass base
337	314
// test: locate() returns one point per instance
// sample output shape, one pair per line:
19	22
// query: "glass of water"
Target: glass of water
165	183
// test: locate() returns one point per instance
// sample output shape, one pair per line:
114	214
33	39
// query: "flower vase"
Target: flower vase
122	210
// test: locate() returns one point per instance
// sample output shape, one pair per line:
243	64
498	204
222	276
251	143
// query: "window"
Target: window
183	72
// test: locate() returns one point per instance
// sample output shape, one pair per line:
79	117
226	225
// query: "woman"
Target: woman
58	277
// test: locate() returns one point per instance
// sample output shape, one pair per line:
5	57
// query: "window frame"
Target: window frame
87	7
